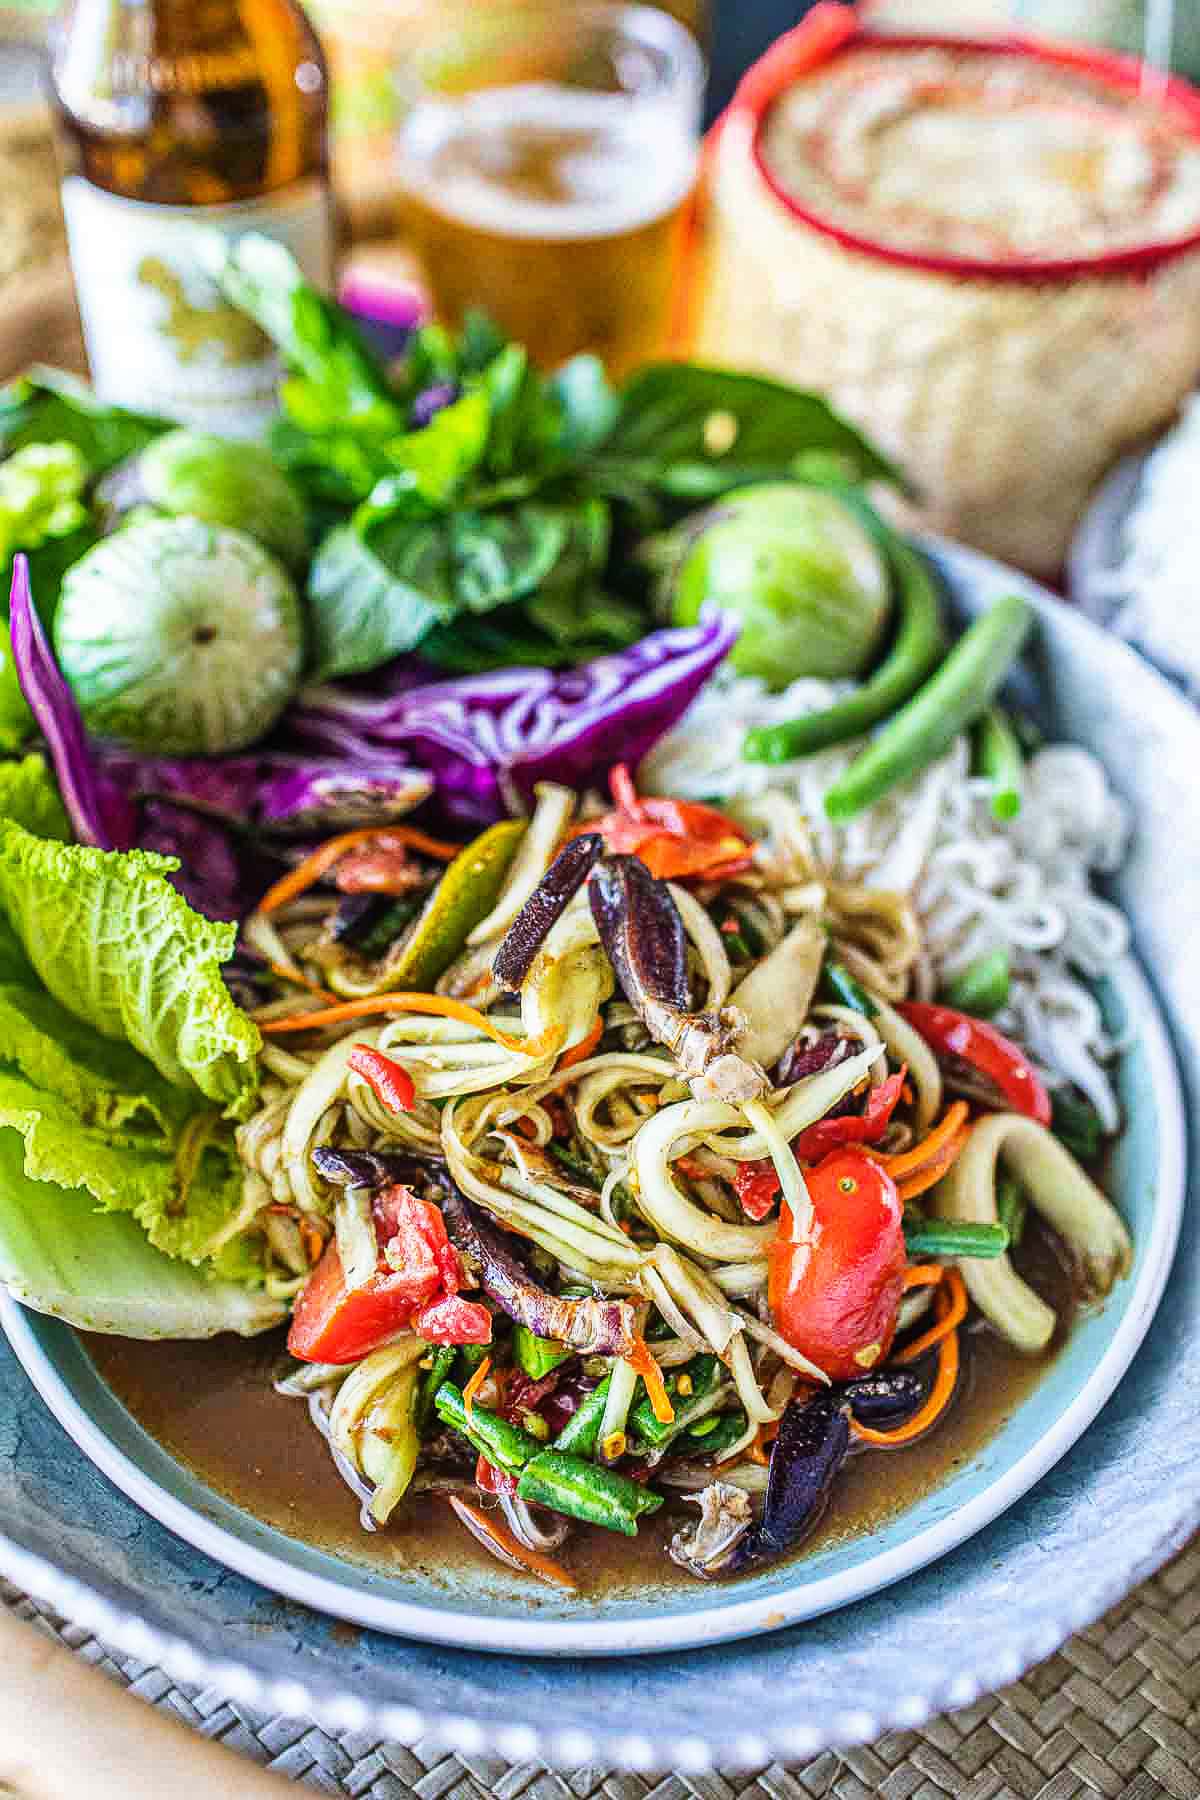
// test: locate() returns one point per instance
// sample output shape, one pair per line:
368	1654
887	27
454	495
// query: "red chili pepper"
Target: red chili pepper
387	1079
1004	1069
674	838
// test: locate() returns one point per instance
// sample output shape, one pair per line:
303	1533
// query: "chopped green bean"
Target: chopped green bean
915	649
537	1355
571	1485
443	1362
998	758
582	1429
505	1446
575	1165
1012	1206
928	724
471	1355
952	1237
386	929
704	1372
1076	1124
982	987
848	991
711	1436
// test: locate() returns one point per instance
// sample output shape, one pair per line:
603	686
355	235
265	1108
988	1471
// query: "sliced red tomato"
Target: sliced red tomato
336	1324
413	1233
453	1320
491	1480
417	1288
1003	1071
835	1294
866	1127
674	838
756	1184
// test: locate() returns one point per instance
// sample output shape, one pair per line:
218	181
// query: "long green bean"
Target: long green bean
982	987
443	1362
581	1432
703	1373
505	1446
950	700
952	1237
998	759
1012	1207
571	1485
918	643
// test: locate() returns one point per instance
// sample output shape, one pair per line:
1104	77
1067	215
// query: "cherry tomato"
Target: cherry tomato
453	1320
835	1295
1003	1070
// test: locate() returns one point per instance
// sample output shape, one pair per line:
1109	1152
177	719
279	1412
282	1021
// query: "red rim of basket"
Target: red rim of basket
831	29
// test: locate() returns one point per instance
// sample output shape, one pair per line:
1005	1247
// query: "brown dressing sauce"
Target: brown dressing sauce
212	1407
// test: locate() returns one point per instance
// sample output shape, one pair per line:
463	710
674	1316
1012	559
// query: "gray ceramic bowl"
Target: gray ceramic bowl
1117	1504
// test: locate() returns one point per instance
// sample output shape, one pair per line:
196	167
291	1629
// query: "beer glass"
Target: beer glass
547	154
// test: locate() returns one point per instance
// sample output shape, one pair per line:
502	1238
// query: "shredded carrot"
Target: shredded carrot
906	1161
491	1532
306	874
473	1386
923	1275
940	1395
299	980
541	1046
952	1315
583	1049
640	1360
932	1172
314	1243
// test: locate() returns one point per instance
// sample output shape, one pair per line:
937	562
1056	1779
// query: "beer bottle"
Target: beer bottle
177	117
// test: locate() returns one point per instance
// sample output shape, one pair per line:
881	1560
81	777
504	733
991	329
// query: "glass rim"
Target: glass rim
436	35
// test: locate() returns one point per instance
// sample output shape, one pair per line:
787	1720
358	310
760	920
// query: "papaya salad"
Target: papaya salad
664	1188
511	880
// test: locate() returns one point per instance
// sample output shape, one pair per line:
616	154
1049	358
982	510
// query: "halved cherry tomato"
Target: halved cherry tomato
1003	1070
674	838
835	1295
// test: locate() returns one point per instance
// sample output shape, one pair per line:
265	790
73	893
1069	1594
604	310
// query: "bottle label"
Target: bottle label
160	335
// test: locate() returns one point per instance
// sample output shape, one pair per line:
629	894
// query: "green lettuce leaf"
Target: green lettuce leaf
29	798
120	948
99	1270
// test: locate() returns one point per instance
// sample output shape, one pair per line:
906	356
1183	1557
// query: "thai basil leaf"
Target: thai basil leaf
690	433
437	459
335	382
373	595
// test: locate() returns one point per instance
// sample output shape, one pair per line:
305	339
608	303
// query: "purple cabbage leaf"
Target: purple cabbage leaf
488	739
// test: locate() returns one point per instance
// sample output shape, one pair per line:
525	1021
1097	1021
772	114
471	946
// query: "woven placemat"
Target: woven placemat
1115	1713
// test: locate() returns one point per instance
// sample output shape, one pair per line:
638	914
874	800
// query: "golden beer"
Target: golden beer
546	163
